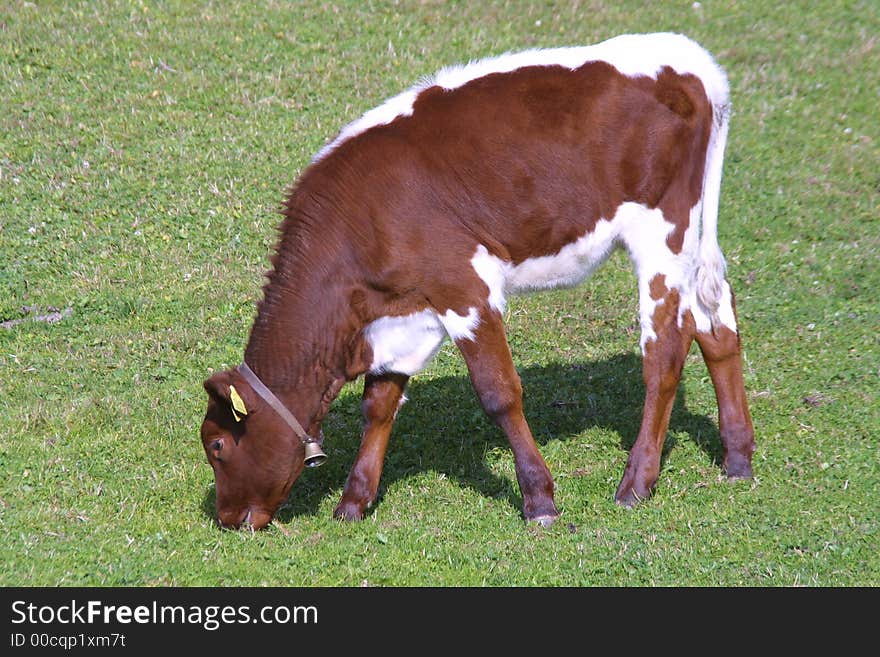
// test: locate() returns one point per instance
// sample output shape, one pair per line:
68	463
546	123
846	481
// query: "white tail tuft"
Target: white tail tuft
711	267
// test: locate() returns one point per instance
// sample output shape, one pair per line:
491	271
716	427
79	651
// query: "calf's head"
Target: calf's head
255	455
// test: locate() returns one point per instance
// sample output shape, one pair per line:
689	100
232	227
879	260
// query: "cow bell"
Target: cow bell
315	456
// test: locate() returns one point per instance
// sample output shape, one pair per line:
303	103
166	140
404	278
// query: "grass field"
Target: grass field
144	149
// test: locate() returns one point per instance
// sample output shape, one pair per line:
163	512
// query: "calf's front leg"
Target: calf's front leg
381	399
498	386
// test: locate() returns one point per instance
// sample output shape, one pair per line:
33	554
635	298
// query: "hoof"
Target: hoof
738	464
637	483
629	500
542	512
348	512
629	497
542	521
735	471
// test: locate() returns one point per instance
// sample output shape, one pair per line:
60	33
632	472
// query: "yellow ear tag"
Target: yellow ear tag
238	407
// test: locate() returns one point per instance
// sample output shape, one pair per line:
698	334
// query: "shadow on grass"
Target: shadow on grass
443	429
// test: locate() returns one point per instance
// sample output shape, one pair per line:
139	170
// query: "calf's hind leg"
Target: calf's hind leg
662	364
382	395
663	359
721	351
499	389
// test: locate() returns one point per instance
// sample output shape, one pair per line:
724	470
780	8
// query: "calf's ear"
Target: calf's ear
231	390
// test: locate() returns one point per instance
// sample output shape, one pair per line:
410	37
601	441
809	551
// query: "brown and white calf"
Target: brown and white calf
511	174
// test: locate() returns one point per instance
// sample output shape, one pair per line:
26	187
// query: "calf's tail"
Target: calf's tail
711	267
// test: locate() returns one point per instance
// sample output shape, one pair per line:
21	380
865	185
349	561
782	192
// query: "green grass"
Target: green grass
144	149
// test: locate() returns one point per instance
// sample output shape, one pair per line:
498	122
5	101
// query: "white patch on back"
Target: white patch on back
631	54
400	105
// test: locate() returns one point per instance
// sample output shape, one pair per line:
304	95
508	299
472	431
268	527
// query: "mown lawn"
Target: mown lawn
144	149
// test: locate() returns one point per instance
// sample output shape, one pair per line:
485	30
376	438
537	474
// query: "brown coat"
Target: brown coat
518	173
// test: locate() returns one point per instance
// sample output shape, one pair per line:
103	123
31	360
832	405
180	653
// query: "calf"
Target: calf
506	175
